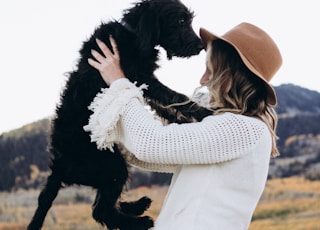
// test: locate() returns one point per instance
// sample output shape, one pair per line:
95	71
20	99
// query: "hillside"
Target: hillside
24	157
295	100
299	133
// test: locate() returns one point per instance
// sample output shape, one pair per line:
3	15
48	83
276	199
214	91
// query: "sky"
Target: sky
40	40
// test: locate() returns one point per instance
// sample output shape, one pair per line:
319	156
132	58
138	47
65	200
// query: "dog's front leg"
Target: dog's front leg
160	97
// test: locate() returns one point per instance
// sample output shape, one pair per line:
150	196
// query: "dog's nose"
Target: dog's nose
200	47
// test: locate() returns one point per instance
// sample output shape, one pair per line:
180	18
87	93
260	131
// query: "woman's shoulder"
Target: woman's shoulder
238	120
243	133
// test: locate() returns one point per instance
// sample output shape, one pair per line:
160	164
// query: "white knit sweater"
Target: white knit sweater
220	164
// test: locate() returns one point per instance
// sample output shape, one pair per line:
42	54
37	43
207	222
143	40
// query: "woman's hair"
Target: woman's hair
234	88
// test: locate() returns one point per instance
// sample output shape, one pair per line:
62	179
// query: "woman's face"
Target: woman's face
204	80
205	77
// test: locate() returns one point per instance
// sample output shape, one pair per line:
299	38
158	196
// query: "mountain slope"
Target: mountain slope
24	156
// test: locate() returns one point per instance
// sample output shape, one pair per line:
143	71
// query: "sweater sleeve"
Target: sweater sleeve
214	140
107	107
133	160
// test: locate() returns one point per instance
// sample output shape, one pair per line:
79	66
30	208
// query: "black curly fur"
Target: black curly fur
75	160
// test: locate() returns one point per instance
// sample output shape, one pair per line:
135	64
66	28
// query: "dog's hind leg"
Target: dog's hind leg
47	195
105	212
104	207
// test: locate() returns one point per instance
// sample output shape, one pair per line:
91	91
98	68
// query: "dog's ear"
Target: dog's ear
148	31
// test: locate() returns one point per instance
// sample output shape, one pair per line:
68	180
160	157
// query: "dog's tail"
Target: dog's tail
46	197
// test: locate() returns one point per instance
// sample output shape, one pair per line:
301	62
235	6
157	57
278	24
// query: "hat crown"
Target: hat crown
257	50
257	47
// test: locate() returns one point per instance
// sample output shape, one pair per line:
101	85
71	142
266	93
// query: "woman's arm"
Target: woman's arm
214	140
133	160
108	106
120	116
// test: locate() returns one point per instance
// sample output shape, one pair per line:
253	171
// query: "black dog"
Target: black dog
75	160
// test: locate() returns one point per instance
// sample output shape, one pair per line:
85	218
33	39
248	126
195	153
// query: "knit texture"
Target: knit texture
220	164
216	139
108	106
125	119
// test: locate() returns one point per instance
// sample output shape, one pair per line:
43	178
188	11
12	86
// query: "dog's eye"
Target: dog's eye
181	21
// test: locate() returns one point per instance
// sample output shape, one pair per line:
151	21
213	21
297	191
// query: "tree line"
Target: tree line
24	152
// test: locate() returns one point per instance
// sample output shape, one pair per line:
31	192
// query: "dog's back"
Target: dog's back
75	159
69	142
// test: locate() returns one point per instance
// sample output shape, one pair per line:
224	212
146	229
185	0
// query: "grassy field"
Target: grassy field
287	204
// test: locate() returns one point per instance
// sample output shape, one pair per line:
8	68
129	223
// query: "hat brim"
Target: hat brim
207	36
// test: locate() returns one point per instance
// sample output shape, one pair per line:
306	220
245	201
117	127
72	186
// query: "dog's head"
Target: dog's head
167	23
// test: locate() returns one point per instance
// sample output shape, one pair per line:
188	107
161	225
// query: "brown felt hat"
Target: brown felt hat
257	50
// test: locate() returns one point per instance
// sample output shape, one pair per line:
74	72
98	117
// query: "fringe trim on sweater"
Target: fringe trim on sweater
107	107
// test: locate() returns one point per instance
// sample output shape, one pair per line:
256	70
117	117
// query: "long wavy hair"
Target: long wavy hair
234	88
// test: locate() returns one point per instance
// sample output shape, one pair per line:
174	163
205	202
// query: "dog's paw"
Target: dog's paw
144	202
146	222
135	208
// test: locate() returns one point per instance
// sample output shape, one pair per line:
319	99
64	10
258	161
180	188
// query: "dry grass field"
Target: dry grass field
287	204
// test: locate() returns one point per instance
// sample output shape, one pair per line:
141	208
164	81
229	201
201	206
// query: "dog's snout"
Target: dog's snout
197	46
200	46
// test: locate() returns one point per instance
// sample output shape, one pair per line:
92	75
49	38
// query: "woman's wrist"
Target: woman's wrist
119	81
116	79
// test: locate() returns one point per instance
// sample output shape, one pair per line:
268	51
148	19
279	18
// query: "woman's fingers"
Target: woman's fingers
108	65
105	50
94	64
100	59
98	56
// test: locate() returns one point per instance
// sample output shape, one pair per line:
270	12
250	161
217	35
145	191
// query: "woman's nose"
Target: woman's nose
204	79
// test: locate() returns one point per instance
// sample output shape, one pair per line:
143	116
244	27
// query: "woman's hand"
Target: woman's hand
108	66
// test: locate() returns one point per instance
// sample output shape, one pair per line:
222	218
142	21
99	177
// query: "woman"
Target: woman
220	164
